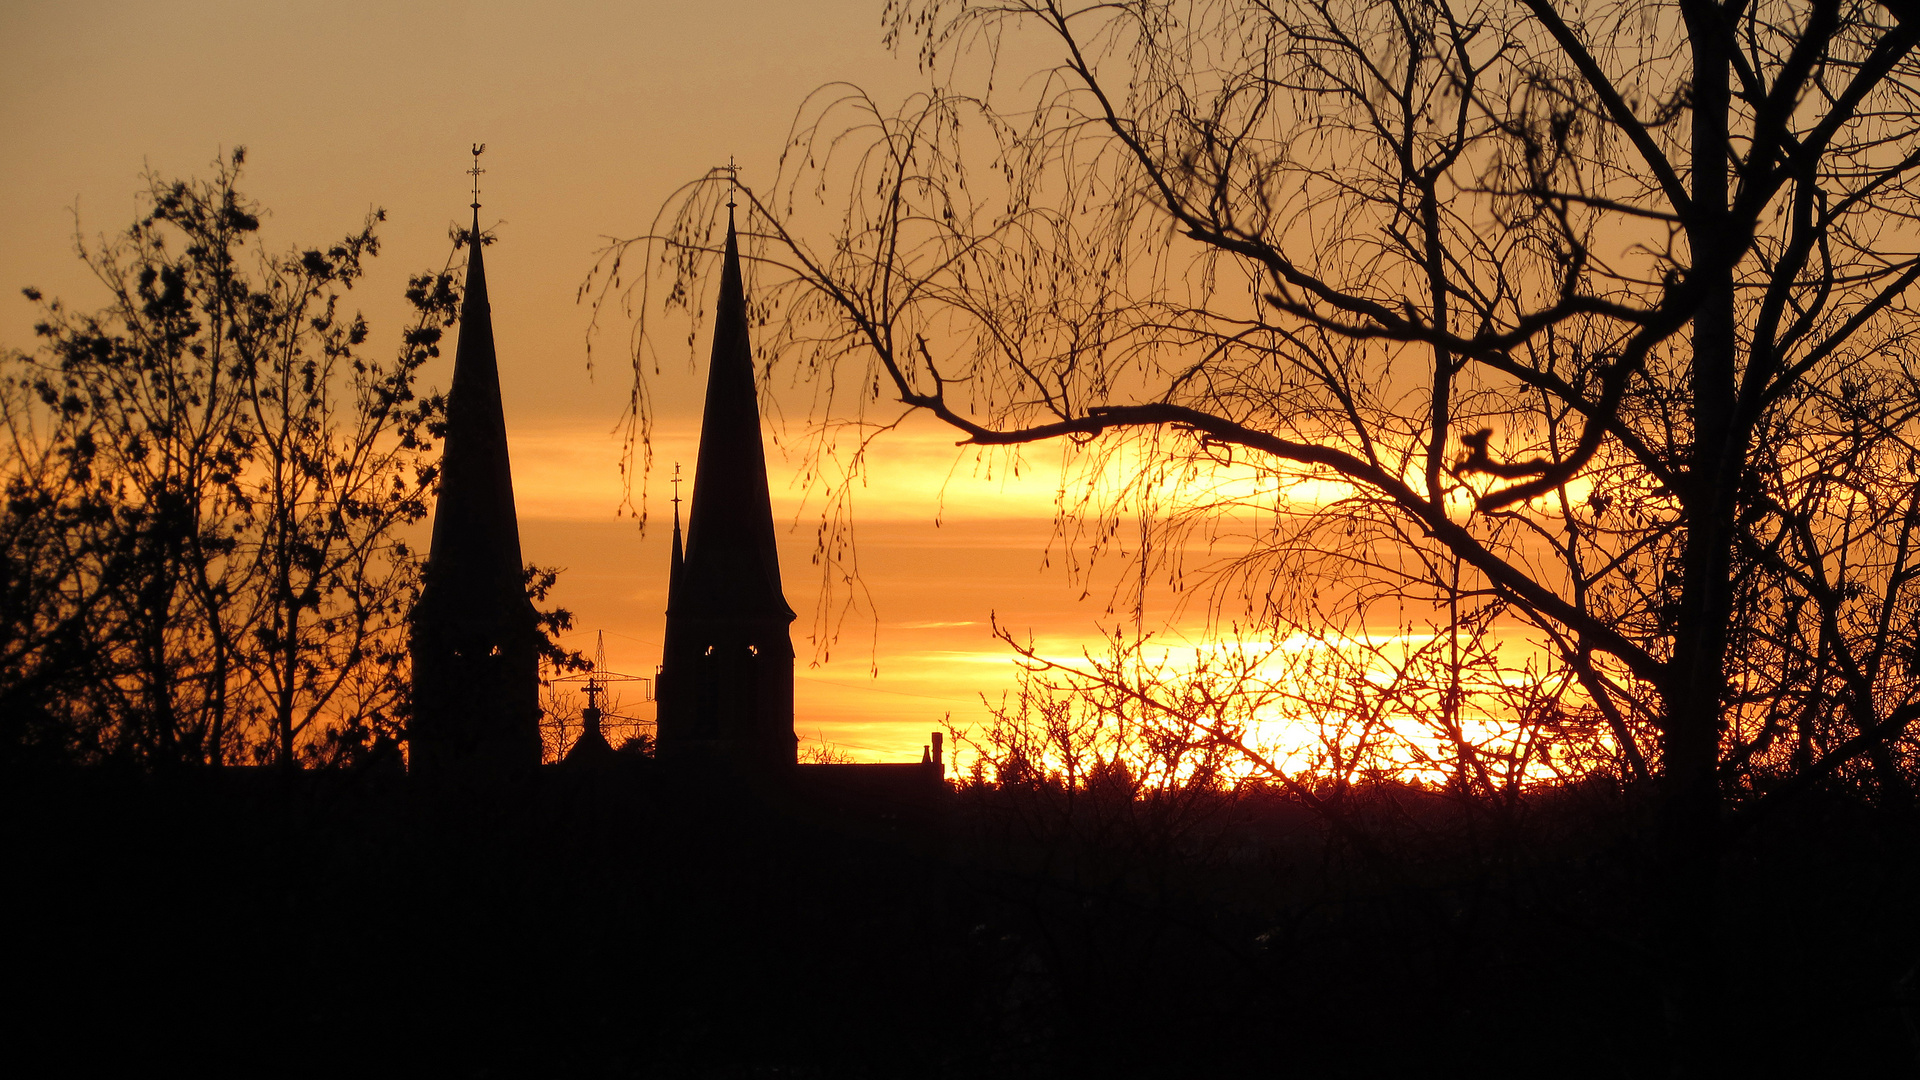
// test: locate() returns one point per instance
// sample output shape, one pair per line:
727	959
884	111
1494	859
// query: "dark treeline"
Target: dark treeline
329	922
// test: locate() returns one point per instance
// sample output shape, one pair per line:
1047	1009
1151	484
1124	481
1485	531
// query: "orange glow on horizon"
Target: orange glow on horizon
628	104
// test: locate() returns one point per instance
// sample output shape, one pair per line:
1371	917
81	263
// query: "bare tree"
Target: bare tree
1592	320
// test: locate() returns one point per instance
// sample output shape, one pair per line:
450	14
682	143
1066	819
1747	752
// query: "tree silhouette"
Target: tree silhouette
211	477
1590	320
62	566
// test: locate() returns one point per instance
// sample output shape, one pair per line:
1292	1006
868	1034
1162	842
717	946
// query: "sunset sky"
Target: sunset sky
593	115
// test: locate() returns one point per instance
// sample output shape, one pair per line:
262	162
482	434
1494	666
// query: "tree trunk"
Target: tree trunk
1690	796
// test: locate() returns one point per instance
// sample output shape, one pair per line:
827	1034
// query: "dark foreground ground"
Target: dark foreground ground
332	926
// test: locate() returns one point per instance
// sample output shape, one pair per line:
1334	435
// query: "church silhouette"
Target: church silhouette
726	677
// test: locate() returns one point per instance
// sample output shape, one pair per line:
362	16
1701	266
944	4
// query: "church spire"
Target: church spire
726	681
476	676
476	532
731	557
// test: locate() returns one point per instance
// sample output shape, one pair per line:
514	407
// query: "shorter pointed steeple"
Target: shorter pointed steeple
474	635
679	549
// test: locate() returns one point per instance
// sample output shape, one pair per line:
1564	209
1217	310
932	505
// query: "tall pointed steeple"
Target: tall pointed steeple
726	680
474	636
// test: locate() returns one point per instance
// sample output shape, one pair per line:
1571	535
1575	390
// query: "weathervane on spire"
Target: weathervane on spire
478	149
676	491
733	178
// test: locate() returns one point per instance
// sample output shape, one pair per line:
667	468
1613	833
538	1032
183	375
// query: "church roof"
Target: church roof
475	559
731	568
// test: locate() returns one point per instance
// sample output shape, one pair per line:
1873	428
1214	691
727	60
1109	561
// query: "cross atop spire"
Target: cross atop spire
732	169
478	149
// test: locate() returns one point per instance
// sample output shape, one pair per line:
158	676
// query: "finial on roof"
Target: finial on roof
679	551
478	149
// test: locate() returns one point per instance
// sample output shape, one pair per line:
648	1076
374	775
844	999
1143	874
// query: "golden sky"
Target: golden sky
593	114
